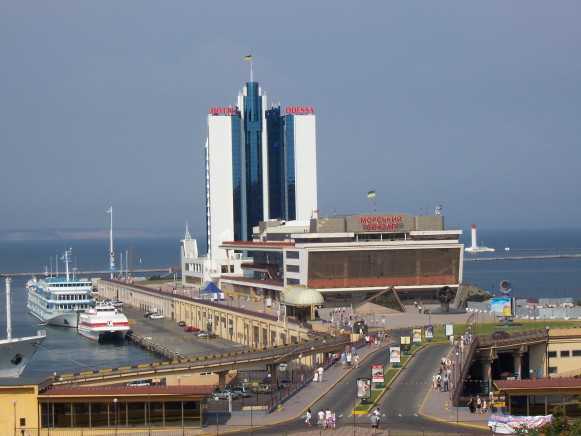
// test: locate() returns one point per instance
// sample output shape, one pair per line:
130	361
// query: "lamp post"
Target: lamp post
547	358
115	400
14	403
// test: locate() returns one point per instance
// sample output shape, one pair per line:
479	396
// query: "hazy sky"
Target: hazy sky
472	105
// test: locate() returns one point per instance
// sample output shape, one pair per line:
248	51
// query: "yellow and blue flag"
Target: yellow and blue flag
371	194
248	58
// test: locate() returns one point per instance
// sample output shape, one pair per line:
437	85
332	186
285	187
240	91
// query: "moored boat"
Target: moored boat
58	300
15	353
103	323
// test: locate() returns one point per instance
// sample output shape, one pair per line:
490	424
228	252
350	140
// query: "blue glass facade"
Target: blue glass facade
253	162
237	177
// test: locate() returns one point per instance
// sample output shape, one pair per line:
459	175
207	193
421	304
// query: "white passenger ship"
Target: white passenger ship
58	300
103	323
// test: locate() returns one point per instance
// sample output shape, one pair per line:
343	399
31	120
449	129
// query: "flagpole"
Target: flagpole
251	74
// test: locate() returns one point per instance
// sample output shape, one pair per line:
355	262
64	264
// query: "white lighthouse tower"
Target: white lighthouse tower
475	248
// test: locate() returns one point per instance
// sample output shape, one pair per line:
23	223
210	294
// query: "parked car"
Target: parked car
500	335
262	389
206	335
223	395
191	329
283	384
156	316
148	314
243	391
182	323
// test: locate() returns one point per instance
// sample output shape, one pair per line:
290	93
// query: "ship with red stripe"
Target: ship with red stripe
103	323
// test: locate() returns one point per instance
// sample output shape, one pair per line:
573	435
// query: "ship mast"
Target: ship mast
111	252
8	311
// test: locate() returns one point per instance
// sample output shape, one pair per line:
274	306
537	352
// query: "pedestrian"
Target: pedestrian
331	422
356	361
320	371
478	404
316	376
484	406
334	421
366	339
308	418
420	309
471	404
374	424
377	341
343	360
349	357
328	418
446	382
321	416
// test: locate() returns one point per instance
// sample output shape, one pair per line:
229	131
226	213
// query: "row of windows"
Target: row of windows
565	353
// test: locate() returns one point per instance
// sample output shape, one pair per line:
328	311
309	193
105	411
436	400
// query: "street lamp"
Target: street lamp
547	347
115	403
14	403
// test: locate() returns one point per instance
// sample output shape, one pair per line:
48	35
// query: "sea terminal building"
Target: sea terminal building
349	260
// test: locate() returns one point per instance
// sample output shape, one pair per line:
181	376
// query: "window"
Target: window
292	268
552	354
292	254
576	353
293	282
566	353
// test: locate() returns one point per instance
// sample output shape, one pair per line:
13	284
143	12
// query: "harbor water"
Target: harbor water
64	350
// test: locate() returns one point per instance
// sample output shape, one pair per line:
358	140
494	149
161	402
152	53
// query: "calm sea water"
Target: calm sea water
64	350
67	351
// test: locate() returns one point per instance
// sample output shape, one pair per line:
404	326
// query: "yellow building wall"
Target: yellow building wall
18	403
566	343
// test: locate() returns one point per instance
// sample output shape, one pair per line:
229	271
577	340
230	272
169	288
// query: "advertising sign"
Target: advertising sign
429	331
449	330
377	373
508	424
394	354
363	388
417	336
406	343
501	306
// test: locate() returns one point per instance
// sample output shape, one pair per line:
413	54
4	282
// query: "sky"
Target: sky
475	106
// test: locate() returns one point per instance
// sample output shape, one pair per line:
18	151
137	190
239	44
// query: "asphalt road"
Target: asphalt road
399	406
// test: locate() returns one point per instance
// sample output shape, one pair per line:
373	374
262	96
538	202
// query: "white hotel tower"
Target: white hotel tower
261	164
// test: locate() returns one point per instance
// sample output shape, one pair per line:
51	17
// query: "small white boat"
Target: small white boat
103	323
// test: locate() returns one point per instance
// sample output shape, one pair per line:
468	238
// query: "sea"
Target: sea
539	272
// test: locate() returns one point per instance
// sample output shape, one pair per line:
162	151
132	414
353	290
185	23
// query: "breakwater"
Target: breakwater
548	256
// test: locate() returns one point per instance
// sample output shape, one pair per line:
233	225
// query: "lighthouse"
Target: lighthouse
475	248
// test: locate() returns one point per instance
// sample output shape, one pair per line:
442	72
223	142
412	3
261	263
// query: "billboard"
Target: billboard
377	373
363	388
503	306
417	336
405	342
429	331
394	354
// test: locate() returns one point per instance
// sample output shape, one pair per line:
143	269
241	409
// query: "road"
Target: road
399	406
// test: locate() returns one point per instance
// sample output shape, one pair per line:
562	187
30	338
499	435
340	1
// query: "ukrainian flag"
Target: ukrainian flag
248	58
371	194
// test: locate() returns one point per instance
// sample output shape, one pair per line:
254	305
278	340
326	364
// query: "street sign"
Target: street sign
282	366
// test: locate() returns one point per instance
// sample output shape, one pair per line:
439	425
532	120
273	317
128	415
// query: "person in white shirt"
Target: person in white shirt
320	370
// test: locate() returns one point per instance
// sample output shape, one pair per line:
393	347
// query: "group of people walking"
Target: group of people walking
478	405
326	420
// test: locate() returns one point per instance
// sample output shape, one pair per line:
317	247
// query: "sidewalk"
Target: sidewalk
438	406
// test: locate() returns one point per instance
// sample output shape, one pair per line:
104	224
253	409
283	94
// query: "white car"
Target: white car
156	316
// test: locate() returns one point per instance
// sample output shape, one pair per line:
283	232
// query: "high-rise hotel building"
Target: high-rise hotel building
261	164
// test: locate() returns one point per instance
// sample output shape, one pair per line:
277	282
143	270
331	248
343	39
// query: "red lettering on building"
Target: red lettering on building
381	222
223	111
300	110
